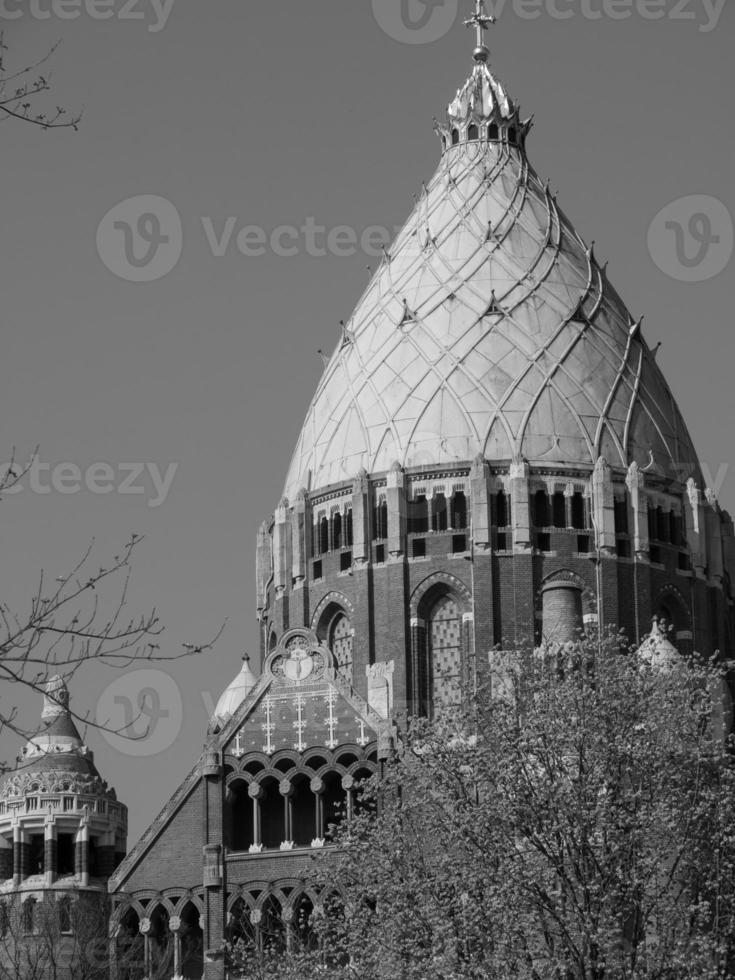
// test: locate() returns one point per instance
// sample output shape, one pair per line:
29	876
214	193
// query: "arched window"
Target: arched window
493	133
272	822
302	932
459	511
418	515
502	510
336	531
303	812
512	135
239	817
241	932
445	652
323	536
579	512
439	516
129	947
541	516
559	507
473	133
64	912
340	643
272	928
28	915
455	137
381	521
348	528
160	942
192	944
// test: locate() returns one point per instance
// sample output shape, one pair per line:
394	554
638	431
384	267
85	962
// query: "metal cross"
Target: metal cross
268	727
363	739
300	725
331	721
480	20
239	747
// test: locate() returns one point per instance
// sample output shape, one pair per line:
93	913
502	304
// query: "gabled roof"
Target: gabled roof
298	703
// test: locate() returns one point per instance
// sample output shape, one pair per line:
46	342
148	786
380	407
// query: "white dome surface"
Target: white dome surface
234	695
489	329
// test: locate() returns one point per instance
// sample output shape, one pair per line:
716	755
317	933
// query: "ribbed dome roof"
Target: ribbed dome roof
490	329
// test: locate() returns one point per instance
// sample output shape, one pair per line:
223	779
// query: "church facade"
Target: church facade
492	457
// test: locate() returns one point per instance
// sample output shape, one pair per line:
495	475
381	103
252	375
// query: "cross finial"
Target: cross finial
480	20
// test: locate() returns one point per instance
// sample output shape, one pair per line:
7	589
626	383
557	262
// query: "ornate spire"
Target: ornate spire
480	20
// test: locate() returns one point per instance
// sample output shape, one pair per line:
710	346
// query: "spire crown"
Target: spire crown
480	20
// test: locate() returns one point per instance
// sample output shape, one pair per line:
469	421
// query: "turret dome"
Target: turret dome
234	695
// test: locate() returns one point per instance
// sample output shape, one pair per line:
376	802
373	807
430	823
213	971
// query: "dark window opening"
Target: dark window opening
455	137
272	928
583	544
623	548
28	915
303	934
502	542
579	512
459	544
459	511
502	509
541	515
621	516
336	531
348	529
380	554
318	571
64	911
345	561
493	133
559	507
675	530
662	525
239	818
543	542
272	824
334	803
323	536
303	814
381	521
419	548
473	133
35	859
655	554
684	563
418	515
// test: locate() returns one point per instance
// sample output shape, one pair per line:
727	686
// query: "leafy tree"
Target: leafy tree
572	821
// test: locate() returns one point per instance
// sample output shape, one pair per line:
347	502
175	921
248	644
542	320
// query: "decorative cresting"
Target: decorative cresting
489	328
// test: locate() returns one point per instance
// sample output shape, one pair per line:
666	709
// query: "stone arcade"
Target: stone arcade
492	455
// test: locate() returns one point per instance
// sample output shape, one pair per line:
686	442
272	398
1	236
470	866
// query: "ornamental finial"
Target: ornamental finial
480	20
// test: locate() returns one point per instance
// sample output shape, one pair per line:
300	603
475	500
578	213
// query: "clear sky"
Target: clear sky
272	114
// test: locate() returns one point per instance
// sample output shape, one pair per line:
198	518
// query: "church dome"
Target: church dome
489	329
234	695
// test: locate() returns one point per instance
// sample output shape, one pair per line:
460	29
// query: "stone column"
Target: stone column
361	519
317	788
396	500
49	851
520	506
636	483
603	508
281	550
81	854
696	528
285	788
300	526
562	612
20	855
174	925
481	520
255	792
